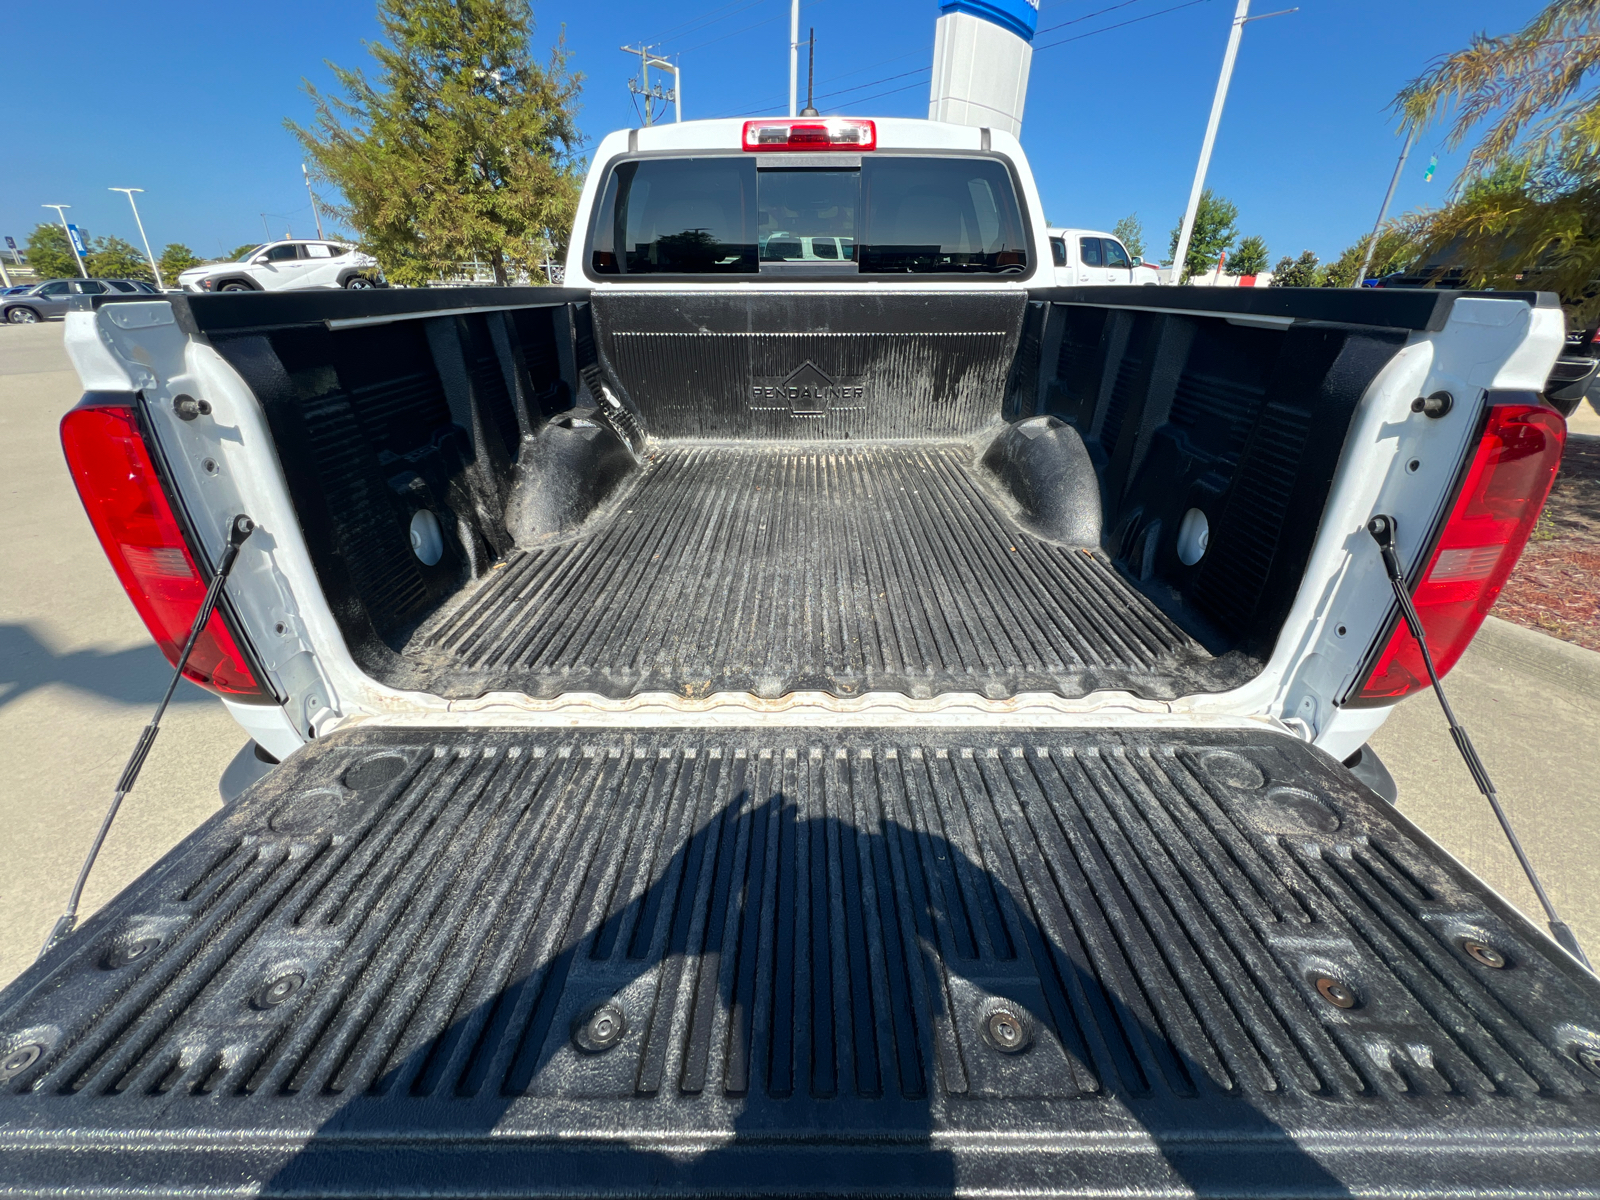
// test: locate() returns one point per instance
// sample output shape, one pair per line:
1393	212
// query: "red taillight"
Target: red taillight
810	133
122	494
1505	487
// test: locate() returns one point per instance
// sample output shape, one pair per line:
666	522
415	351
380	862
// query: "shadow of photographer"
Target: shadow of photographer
824	989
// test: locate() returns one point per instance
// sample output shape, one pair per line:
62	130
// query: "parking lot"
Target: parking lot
79	677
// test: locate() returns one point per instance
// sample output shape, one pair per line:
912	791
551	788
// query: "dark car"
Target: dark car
50	299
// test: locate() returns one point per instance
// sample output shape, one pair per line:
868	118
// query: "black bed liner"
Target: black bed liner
770	569
788	963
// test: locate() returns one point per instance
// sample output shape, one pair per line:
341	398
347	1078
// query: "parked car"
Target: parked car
52	298
756	724
1091	258
286	266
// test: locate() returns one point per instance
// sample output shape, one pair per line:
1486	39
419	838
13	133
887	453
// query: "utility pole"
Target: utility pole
810	110
641	86
675	92
264	228
315	212
1241	18
150	257
61	212
1372	242
794	56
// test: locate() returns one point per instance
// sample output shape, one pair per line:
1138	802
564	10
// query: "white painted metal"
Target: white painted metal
725	134
980	74
1341	606
151	258
1394	182
662	64
794	57
1240	16
61	212
315	211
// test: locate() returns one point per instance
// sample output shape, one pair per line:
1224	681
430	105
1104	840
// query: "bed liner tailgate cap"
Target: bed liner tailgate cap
804	963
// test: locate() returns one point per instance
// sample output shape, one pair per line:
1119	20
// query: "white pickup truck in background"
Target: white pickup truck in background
816	707
1093	258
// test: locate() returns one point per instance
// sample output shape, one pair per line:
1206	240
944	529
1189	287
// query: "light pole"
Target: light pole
78	258
315	212
151	257
1241	18
1372	242
794	57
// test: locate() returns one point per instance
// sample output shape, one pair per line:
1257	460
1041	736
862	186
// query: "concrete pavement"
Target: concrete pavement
1532	706
79	678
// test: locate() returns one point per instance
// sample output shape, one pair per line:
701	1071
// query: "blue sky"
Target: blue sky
187	100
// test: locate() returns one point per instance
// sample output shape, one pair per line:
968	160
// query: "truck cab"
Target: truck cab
1092	258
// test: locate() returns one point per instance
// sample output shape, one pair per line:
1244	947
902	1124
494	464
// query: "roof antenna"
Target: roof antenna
811	76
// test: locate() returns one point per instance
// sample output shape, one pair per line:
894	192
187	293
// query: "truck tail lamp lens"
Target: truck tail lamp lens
1505	488
810	133
134	521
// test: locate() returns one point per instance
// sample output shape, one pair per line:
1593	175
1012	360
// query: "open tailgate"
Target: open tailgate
781	962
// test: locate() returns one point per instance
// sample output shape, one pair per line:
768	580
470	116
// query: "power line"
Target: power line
860	70
874	83
1047	46
892	91
1086	17
1120	24
706	20
843	75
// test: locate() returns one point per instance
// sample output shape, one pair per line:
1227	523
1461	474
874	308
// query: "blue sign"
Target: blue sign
11	243
77	239
1020	17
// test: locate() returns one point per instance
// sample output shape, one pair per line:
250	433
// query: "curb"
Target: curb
1565	667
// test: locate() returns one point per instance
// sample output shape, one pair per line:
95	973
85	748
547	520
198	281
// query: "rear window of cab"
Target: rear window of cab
832	215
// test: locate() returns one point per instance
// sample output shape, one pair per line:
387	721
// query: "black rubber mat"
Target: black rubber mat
778	964
883	568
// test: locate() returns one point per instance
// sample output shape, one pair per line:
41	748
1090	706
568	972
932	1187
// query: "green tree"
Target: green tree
1213	233
463	147
1297	272
1250	258
239	252
174	260
1130	232
1394	251
50	254
1527	210
113	258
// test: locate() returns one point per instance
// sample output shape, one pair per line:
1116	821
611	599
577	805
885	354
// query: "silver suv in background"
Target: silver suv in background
286	266
51	299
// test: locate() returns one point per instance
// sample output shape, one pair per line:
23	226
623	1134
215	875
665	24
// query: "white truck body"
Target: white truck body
767	720
1094	258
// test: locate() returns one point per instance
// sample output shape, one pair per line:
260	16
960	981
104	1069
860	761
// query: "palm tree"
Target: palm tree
1531	82
1527	209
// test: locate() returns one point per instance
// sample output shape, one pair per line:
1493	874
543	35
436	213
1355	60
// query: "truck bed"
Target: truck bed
786	963
631	502
771	569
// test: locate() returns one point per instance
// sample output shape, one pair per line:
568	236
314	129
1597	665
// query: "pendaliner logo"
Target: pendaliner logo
806	392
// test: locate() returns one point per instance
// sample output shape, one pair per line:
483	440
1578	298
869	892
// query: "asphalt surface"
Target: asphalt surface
79	677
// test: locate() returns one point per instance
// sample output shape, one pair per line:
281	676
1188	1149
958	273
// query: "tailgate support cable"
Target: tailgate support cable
1383	530
240	529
